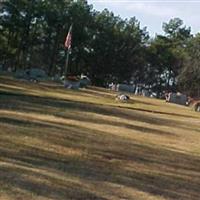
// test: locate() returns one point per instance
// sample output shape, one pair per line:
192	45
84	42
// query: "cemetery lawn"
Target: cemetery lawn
83	145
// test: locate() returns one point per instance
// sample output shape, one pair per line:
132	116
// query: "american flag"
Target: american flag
68	40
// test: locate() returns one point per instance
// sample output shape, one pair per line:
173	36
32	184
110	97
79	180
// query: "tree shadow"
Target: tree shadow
43	171
43	185
173	175
48	105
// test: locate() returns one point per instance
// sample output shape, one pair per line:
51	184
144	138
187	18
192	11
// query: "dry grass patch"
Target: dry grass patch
63	144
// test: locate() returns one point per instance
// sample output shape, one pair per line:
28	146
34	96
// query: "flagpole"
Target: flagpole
68	49
66	63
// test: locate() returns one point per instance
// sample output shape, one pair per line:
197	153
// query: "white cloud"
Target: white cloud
152	13
159	10
149	7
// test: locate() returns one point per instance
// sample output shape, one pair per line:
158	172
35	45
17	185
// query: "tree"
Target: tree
166	55
117	48
18	20
189	77
174	29
105	46
178	36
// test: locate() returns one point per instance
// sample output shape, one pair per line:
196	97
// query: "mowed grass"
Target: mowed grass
63	144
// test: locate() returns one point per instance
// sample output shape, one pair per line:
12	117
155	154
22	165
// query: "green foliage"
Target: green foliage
189	78
166	55
175	29
104	46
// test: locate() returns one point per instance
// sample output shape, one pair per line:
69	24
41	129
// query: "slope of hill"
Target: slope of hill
63	144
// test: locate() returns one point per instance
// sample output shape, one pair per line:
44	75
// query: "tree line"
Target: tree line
105	47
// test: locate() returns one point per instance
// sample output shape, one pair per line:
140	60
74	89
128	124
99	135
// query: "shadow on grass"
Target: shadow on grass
171	174
39	124
43	185
22	122
48	172
101	121
48	105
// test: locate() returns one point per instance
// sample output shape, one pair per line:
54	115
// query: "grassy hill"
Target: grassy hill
62	144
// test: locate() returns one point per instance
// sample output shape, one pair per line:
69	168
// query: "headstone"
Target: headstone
84	81
196	106
145	93
36	73
125	88
75	85
177	98
33	74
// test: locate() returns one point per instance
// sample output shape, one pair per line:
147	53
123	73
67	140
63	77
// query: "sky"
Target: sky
152	13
